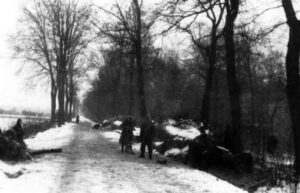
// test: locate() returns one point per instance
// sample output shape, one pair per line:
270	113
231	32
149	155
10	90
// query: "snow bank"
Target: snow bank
170	122
284	189
112	135
84	119
40	176
177	151
115	134
158	143
9	169
187	134
173	152
202	181
136	131
117	123
32	179
52	138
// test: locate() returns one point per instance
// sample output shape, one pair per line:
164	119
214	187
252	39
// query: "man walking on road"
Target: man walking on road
147	136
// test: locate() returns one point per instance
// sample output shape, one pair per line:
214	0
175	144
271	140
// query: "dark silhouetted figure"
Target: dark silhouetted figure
77	119
12	145
147	136
126	138
19	132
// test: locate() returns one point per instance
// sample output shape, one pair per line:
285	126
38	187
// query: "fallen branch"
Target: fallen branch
43	151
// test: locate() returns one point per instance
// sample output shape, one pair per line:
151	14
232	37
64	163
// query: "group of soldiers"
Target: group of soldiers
146	138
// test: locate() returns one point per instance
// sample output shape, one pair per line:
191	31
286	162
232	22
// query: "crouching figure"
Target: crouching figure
12	145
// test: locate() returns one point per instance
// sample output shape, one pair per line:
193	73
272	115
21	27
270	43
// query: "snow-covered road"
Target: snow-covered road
91	161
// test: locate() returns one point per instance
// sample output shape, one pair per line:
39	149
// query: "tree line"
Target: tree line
231	75
52	40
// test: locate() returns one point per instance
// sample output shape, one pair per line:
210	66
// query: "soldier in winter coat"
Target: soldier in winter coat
147	136
126	138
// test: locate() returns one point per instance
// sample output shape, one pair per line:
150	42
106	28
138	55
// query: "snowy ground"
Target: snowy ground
91	161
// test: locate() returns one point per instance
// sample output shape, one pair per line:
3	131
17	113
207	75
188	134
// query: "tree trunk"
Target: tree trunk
205	111
116	91
140	68
117	82
292	72
67	100
53	102
71	106
216	101
71	102
233	86
71	95
61	94
131	87
252	92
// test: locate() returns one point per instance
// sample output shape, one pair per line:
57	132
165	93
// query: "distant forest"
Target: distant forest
23	112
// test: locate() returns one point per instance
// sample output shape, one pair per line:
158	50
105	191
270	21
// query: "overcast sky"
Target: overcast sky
14	92
12	85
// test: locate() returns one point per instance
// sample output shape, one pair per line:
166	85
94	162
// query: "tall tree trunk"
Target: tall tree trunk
131	86
252	92
61	81
140	68
71	106
117	82
53	102
71	101
292	72
205	111
232	9
71	94
61	106
216	101
116	91
67	100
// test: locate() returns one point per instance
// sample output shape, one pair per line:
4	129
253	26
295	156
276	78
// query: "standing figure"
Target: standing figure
77	119
126	138
147	136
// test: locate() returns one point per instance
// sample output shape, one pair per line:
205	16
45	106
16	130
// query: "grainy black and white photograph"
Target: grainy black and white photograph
149	96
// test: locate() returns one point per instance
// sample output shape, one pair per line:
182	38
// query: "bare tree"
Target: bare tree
120	41
55	35
232	10
131	23
180	16
34	46
292	73
70	26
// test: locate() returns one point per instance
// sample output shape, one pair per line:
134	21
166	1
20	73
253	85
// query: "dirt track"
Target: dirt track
95	164
91	162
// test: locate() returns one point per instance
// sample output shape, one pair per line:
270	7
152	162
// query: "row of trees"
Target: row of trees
226	57
129	27
181	15
53	39
139	78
